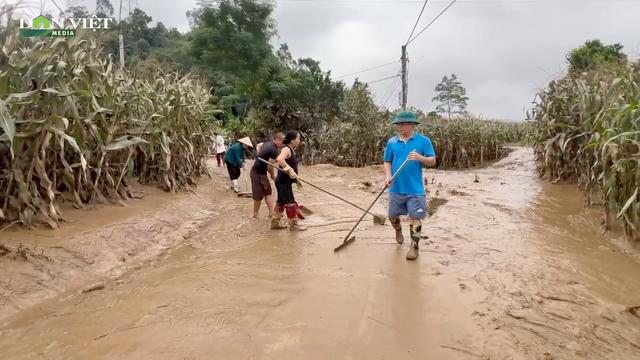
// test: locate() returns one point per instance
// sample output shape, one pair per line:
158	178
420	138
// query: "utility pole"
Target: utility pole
120	38
405	86
121	50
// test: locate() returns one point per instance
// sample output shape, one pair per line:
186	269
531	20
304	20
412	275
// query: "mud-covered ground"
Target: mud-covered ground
513	269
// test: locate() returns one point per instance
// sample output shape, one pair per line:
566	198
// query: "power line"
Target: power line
417	21
383	79
392	94
389	95
54	3
508	2
365	70
389	88
432	21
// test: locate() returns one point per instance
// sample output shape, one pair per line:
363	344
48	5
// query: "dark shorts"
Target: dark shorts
260	185
413	205
285	193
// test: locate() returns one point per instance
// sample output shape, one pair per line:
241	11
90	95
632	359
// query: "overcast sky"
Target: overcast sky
502	51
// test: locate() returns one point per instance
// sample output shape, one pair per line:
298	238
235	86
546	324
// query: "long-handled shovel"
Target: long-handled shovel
377	219
347	239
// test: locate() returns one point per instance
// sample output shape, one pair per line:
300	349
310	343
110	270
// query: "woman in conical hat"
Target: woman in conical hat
234	159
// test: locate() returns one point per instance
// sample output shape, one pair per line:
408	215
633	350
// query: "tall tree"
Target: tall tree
451	97
77	12
299	93
104	8
175	49
594	53
138	23
76	9
139	38
231	40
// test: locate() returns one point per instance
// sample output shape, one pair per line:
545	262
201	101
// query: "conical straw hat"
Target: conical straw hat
246	141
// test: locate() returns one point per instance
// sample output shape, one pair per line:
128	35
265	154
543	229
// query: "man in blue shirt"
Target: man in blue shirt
406	192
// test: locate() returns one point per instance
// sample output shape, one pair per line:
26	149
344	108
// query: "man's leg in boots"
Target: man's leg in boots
397	226
415	226
275	221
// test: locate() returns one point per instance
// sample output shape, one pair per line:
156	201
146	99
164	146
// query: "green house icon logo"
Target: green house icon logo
41	22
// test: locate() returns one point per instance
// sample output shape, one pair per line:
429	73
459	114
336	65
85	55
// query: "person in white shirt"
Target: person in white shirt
219	149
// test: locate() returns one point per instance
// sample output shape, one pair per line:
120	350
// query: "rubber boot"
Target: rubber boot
276	225
414	252
397	226
295	226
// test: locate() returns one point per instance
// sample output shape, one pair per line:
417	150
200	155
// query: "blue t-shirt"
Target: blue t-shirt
409	181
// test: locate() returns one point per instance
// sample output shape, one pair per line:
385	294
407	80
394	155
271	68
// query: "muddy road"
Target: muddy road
513	269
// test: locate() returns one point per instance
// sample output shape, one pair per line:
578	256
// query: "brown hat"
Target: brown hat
245	140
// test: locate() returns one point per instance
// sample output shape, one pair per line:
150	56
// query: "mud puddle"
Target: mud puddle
512	269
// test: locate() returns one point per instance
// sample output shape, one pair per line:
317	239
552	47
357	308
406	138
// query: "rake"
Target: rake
348	240
377	219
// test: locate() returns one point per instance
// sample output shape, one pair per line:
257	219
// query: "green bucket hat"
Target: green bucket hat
405	117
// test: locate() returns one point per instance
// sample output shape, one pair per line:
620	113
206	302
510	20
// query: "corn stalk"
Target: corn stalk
73	128
470	142
588	131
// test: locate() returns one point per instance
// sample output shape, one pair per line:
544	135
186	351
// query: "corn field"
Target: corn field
468	143
588	131
359	136
459	144
74	128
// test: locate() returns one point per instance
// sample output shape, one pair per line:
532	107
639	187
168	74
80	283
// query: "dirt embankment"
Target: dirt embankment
102	242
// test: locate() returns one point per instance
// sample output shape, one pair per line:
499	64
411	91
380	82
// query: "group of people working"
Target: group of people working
405	156
276	159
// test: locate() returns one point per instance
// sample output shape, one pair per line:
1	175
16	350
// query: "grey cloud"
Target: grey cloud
501	51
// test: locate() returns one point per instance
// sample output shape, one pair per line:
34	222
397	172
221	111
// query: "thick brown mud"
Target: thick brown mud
513	269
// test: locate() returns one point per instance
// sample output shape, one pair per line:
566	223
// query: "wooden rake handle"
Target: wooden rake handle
344	241
321	189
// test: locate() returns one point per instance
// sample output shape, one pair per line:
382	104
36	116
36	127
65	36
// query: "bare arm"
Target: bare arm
428	161
272	169
425	160
387	172
284	155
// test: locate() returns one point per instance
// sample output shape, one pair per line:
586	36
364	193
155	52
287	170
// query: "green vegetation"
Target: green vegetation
472	142
452	97
588	131
593	55
75	128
